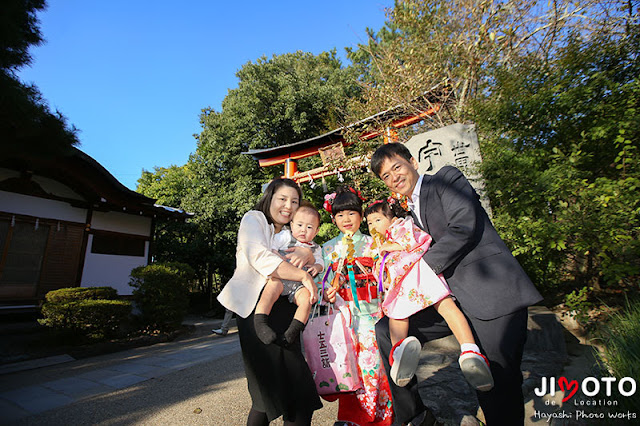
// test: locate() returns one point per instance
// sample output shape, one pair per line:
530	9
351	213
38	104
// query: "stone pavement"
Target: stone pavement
200	380
36	386
445	391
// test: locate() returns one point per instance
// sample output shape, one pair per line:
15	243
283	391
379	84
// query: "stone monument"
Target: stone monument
454	145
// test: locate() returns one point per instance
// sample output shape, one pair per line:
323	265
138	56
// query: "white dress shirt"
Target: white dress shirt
414	202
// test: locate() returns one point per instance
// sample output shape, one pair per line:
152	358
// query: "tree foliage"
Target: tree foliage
279	100
18	31
553	87
161	292
440	54
26	123
165	184
175	241
560	159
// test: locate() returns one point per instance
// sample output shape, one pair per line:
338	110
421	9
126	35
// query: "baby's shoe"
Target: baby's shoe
475	368
404	359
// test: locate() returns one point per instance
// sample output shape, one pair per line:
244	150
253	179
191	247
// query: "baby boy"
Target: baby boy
304	228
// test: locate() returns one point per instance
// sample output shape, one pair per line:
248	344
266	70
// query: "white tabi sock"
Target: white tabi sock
469	347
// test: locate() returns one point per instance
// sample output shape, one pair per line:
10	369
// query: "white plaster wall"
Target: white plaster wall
10	202
121	222
110	270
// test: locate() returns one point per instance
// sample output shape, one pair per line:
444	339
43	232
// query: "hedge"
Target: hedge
88	312
73	294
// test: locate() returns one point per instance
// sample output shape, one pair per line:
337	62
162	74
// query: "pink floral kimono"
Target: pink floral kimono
413	284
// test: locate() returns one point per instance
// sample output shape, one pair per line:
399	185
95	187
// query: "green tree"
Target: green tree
560	158
167	185
18	31
27	126
175	241
279	100
440	53
553	87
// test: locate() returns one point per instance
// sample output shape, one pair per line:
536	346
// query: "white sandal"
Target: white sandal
404	359
475	368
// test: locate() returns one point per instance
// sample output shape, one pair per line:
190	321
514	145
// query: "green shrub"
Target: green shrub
85	312
73	294
579	305
161	293
621	339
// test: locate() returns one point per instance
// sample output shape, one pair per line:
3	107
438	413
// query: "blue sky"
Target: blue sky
133	76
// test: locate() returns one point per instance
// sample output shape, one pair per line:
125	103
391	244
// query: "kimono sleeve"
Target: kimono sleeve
408	235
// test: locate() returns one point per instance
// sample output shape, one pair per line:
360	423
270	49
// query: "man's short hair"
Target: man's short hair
387	151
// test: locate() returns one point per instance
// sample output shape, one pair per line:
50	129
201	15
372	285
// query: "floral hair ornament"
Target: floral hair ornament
402	200
328	202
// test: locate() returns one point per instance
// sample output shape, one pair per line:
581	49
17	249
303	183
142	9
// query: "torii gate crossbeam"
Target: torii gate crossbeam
291	153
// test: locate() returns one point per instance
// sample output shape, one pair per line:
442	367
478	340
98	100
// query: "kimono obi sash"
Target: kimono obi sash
364	293
364	283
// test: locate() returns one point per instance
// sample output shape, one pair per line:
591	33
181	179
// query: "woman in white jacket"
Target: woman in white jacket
278	377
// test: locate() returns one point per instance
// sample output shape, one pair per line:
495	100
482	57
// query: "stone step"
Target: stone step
445	391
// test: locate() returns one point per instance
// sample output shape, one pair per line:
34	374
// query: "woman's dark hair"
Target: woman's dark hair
345	200
264	203
388	210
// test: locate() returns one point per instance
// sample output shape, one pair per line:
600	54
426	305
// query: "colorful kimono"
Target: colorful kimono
413	286
371	405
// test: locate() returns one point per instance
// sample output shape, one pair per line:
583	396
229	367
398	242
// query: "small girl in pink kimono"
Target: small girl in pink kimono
413	286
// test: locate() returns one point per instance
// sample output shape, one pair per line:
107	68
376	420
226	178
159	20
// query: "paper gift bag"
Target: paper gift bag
330	351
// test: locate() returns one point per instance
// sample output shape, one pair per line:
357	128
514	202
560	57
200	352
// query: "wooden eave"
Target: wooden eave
84	175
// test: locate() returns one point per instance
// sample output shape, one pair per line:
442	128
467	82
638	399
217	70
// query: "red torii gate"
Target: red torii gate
330	142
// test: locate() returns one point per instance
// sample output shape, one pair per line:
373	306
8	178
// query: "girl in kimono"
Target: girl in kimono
348	257
413	286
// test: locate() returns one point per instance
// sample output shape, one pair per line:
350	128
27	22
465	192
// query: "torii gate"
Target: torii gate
330	146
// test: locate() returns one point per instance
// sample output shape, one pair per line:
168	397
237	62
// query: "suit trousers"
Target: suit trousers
501	340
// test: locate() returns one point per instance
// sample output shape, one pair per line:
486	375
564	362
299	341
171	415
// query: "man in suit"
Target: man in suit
489	284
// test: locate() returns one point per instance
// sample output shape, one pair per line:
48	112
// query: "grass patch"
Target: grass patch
621	341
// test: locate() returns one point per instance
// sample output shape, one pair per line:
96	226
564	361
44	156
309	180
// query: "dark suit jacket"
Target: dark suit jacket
478	266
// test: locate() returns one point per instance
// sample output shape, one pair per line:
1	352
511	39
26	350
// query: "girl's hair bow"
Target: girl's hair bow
328	202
